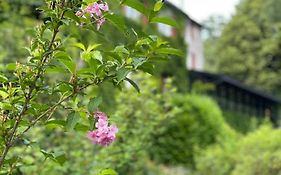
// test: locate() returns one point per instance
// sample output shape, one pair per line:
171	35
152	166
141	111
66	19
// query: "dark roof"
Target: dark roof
172	6
219	78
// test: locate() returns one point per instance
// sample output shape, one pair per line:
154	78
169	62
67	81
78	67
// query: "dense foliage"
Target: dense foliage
259	153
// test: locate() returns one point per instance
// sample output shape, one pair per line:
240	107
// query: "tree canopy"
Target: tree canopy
249	46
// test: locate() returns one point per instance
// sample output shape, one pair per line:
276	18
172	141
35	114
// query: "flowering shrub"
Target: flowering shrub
52	79
104	134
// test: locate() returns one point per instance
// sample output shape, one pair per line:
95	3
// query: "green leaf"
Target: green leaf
72	120
10	161
69	65
91	122
133	84
94	104
59	157
65	87
121	49
3	78
55	123
80	45
62	55
137	5
114	56
147	67
3	94
164	20
117	20
81	128
66	60
86	56
71	15
54	69
170	51
144	41
11	66
92	47
108	172
97	55
122	73
46	154
158	5
138	61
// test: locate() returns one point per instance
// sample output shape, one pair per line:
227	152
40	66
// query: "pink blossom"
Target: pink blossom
94	9
101	123
104	134
79	13
100	23
104	7
100	115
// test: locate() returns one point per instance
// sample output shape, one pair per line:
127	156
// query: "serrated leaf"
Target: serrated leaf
72	120
94	104
133	84
164	20
158	5
170	51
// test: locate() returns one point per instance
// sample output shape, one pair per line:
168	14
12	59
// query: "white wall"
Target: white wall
195	57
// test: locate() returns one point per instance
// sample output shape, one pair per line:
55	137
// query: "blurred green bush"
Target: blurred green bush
198	123
258	153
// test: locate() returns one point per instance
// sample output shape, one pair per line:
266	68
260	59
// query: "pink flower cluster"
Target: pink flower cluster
95	10
104	134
